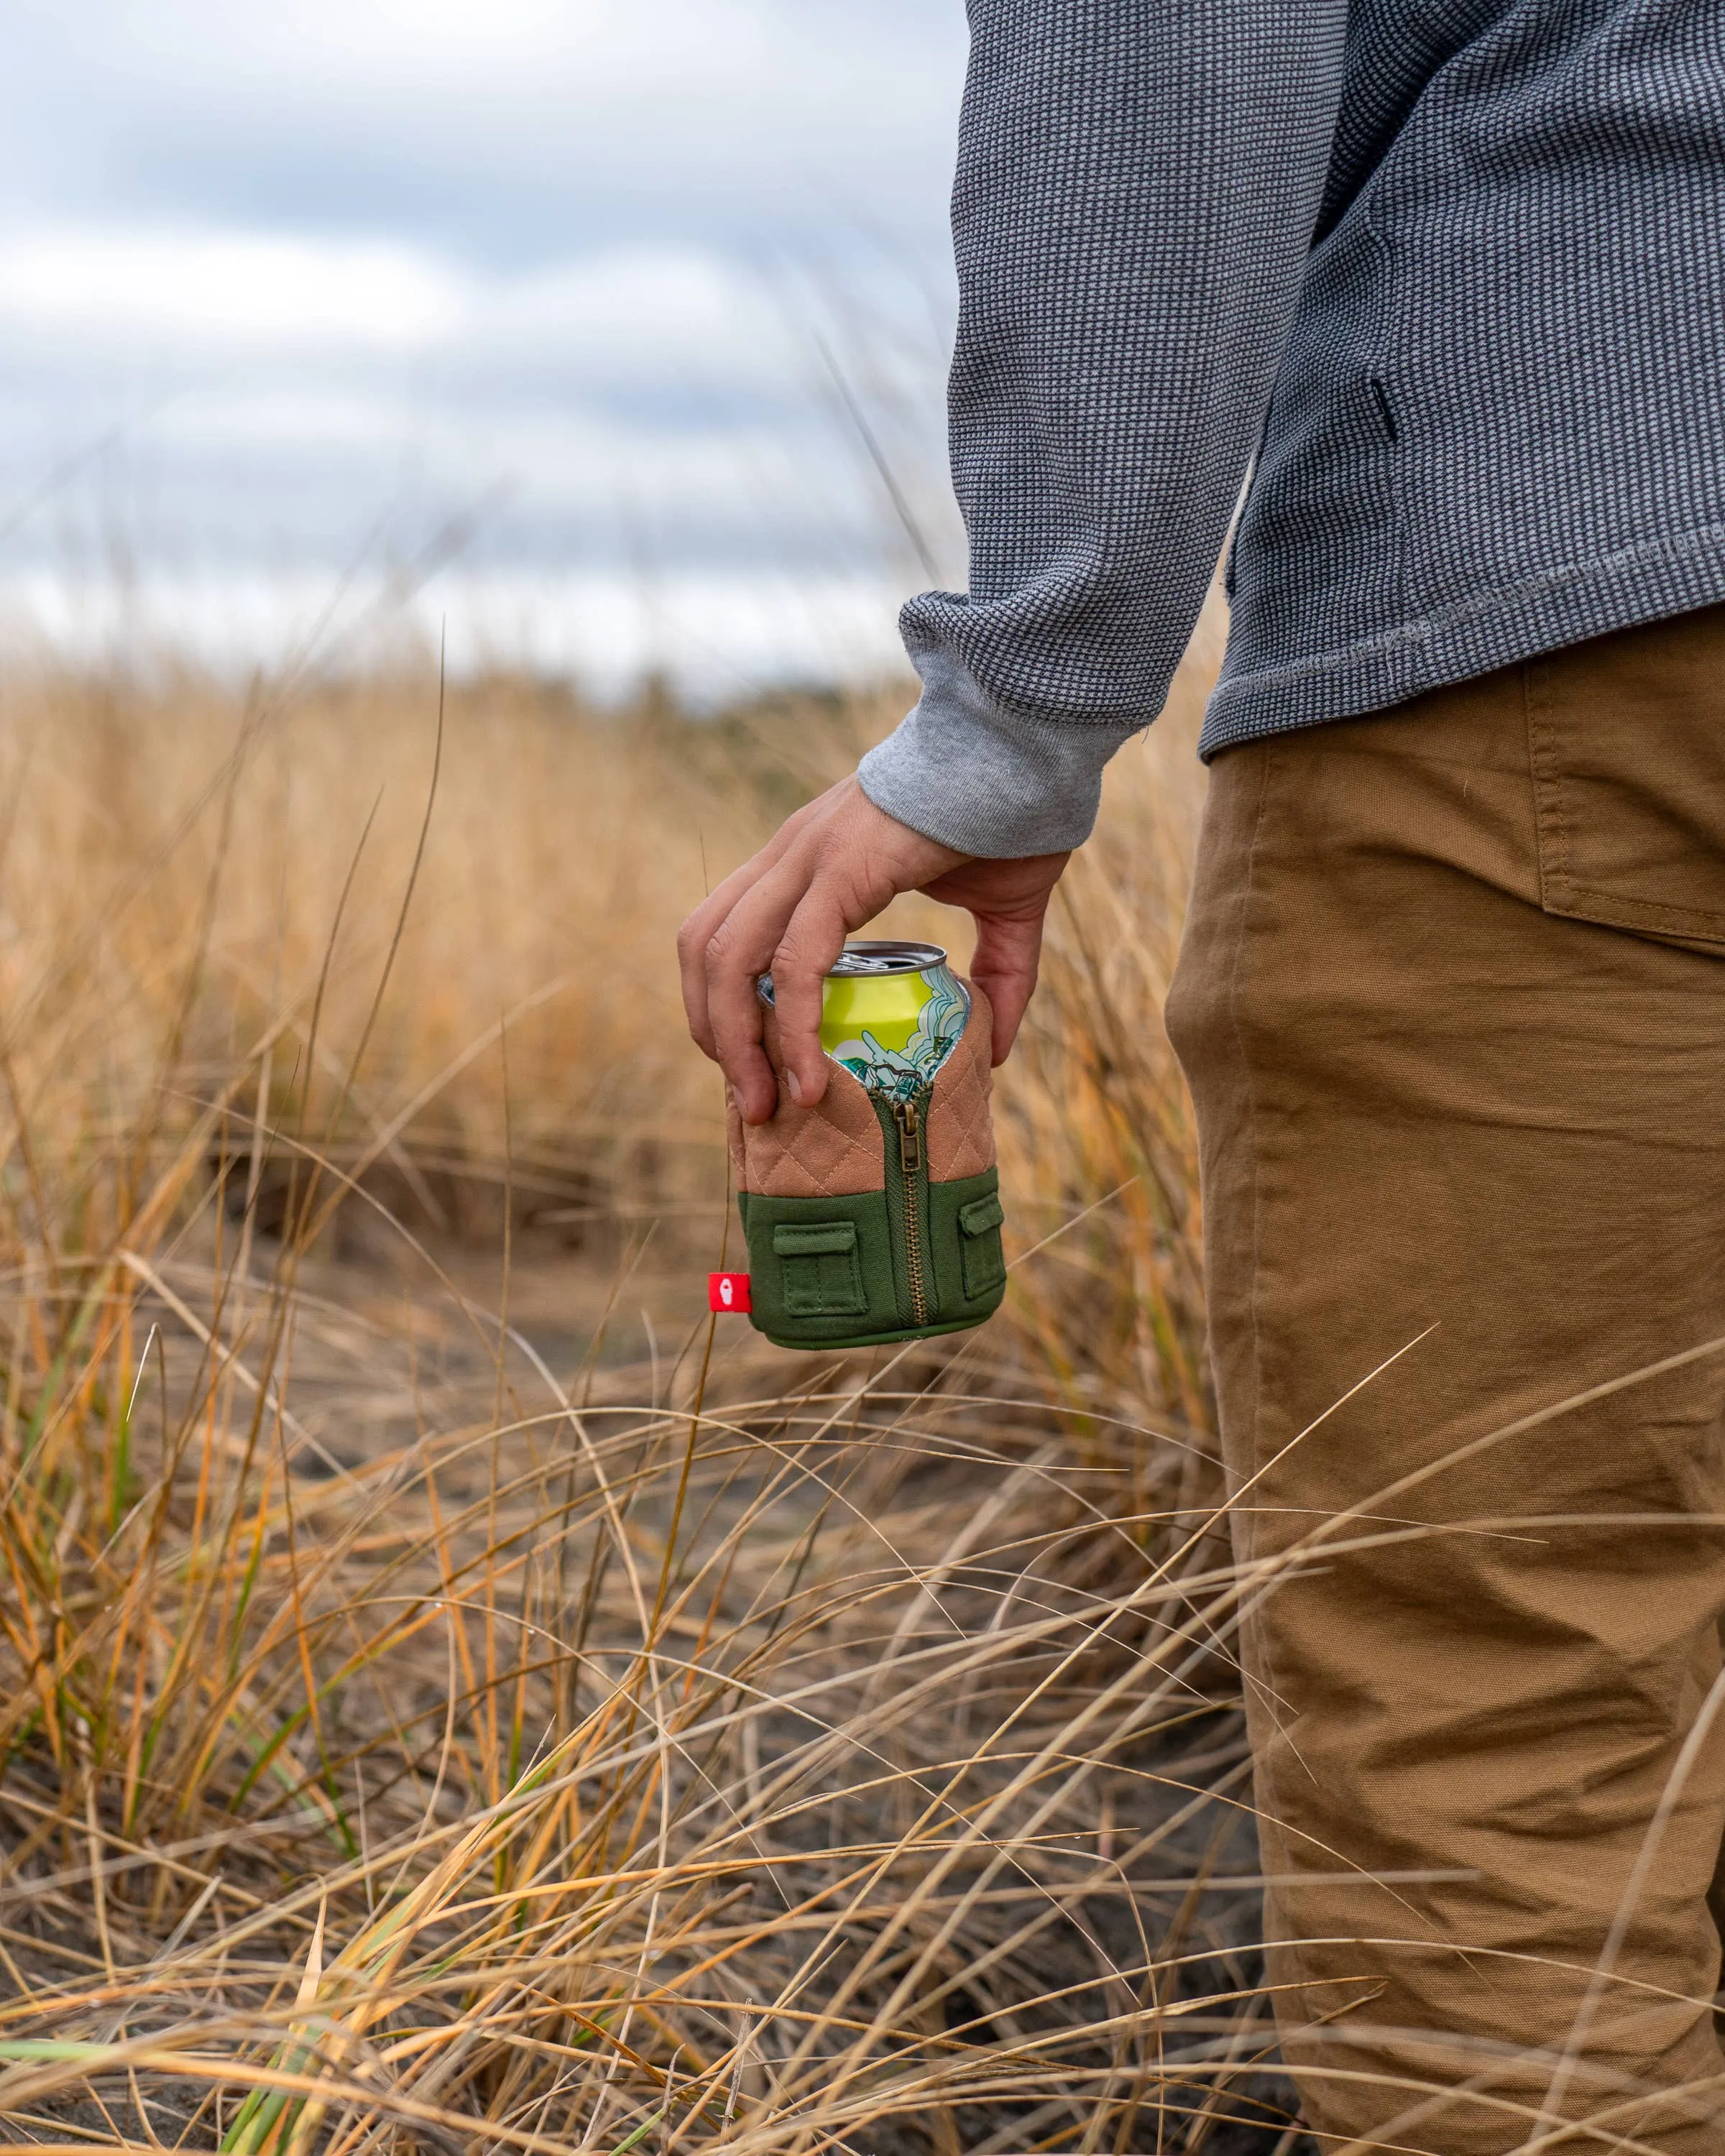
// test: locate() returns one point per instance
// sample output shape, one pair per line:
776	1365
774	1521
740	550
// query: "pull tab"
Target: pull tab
909	1118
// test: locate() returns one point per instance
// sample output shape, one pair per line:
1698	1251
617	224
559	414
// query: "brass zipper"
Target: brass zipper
908	1116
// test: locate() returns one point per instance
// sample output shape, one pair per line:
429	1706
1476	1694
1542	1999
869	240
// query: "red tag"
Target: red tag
728	1291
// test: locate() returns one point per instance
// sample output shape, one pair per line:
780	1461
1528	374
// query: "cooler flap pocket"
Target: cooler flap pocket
981	1215
820	1268
982	1257
824	1241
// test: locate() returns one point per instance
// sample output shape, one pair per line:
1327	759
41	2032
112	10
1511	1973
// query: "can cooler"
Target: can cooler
875	1216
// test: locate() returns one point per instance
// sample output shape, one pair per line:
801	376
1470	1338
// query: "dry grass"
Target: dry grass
455	1700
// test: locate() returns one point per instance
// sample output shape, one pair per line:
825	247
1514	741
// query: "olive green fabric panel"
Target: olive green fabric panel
820	1269
964	1221
823	1272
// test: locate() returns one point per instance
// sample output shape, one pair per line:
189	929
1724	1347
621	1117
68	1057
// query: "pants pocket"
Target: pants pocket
1626	741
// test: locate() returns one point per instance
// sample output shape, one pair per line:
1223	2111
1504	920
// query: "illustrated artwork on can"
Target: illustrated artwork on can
891	1013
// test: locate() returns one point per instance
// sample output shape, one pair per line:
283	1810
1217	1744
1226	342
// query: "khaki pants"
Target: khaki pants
1452	1006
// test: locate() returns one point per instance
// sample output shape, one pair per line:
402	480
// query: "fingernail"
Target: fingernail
793	1086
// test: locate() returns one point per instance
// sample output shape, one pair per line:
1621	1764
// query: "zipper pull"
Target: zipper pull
908	1117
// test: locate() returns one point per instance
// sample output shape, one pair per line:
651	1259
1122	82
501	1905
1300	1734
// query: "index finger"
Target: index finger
697	933
807	945
740	951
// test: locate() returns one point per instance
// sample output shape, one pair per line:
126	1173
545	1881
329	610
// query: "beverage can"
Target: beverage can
891	1013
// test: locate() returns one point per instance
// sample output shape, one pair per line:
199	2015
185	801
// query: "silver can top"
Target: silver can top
863	958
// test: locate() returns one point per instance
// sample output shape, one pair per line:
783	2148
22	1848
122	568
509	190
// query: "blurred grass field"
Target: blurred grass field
458	1697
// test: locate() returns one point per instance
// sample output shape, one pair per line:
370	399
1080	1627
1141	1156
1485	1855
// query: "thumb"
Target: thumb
1009	950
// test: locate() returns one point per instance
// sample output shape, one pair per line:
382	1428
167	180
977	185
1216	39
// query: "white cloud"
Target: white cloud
550	462
581	51
188	294
516	114
350	257
656	315
712	632
123	296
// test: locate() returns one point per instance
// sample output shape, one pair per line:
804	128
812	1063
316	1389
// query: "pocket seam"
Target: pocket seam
821	1238
1610	911
1551	835
1559	894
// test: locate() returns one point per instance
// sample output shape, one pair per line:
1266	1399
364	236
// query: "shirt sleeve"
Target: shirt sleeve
1136	188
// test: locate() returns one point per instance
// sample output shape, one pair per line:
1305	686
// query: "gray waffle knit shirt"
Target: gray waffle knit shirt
1447	275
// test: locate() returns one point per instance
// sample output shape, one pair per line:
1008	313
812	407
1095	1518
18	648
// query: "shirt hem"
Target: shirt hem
1568	606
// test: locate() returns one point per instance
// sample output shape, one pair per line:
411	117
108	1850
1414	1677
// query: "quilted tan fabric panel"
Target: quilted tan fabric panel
833	1150
961	1132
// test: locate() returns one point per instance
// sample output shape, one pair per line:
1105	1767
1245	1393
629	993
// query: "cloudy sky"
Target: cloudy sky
586	322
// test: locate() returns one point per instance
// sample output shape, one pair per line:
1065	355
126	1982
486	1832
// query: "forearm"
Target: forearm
1136	187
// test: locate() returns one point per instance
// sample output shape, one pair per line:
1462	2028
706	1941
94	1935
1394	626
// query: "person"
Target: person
1441	284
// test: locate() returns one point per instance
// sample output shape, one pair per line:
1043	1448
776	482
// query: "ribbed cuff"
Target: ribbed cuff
985	780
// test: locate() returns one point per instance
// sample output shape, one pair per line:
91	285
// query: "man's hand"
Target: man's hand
832	868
